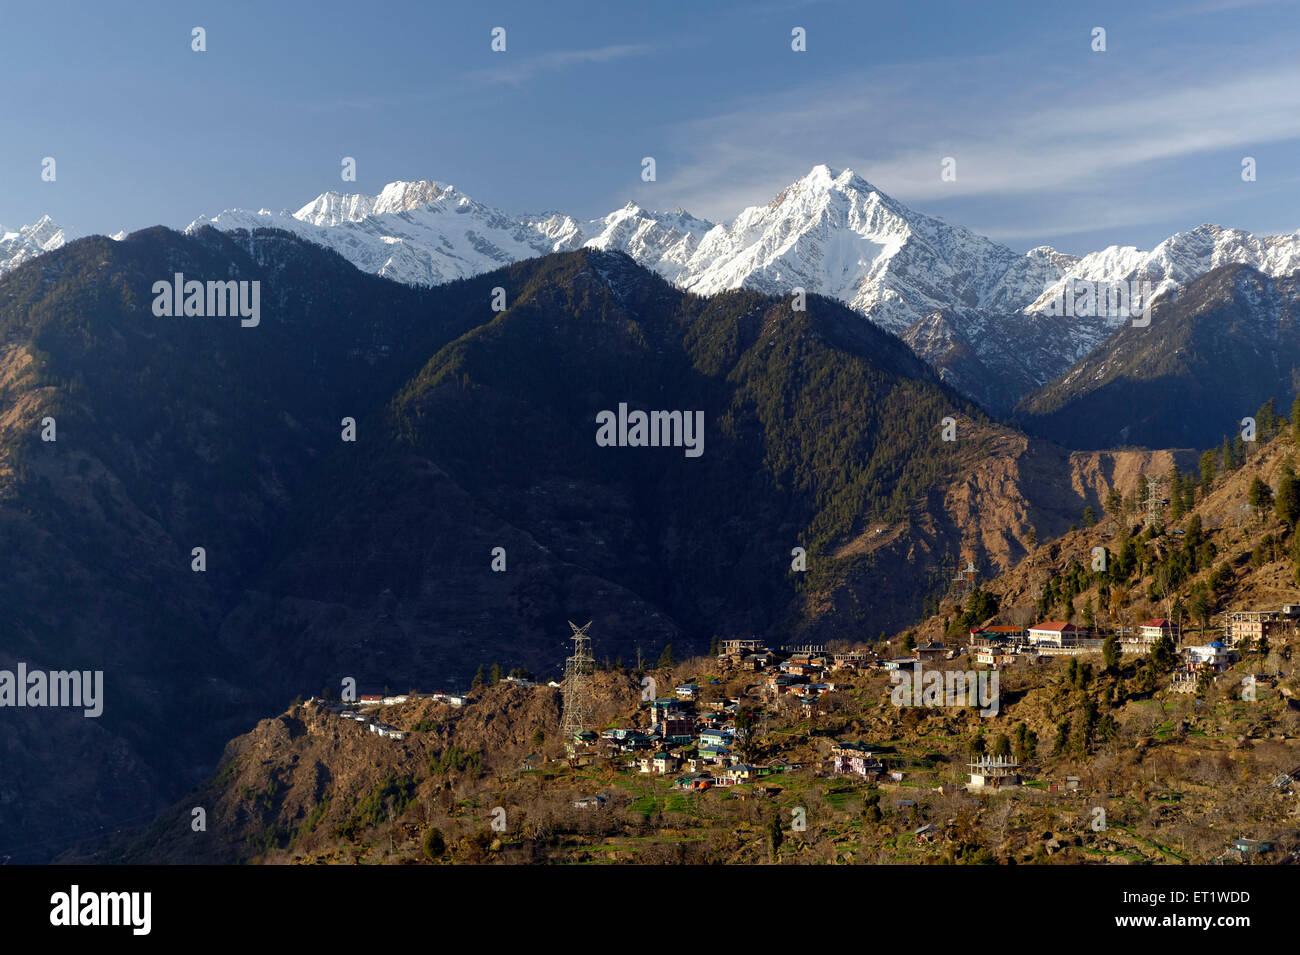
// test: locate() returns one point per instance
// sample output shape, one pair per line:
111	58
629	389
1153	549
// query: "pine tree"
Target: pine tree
871	808
1266	420
1021	750
1110	653
1288	499
666	658
1107	728
1261	497
1115	503
1209	465
1175	482
1062	737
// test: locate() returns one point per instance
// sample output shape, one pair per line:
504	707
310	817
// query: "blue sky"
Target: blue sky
1055	144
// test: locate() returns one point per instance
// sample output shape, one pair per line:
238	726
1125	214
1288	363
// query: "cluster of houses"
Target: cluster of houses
351	711
451	699
1245	629
803	671
1001	646
858	759
868	762
687	733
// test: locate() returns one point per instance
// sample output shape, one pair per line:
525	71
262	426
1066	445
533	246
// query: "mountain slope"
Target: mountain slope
831	233
171	433
814	425
1210	357
976	310
475	430
308	787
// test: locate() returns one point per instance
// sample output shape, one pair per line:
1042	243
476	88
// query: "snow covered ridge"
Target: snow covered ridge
956	296
830	232
19	245
419	233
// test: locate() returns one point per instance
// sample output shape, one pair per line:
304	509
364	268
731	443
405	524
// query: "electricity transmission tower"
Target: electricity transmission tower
578	670
965	580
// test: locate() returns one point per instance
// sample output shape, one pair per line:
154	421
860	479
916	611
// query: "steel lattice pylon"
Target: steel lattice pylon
578	670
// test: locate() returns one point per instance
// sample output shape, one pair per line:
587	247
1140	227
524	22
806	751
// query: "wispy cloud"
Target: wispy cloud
1062	154
528	67
1210	6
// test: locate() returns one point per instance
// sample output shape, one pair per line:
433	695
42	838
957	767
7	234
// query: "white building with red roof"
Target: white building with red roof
1054	633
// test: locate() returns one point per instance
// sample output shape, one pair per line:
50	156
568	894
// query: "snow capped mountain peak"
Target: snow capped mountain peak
823	179
665	242
398	197
971	306
419	232
17	246
1183	257
335	208
824	176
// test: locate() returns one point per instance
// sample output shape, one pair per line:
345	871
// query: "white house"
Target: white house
1212	654
1054	633
665	763
1152	630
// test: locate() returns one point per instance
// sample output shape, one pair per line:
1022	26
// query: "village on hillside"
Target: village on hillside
761	722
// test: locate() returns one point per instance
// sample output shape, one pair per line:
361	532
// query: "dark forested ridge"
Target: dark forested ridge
1214	353
475	429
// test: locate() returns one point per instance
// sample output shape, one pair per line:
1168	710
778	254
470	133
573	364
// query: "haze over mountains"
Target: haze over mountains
974	309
